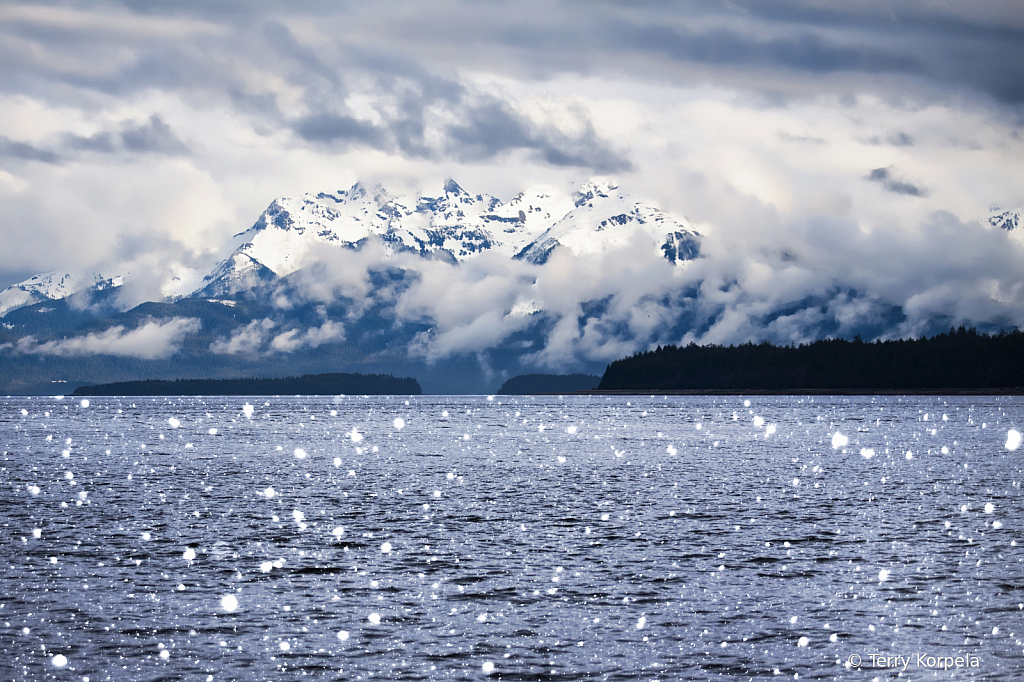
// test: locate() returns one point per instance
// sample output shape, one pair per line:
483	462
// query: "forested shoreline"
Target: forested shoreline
961	359
528	384
309	384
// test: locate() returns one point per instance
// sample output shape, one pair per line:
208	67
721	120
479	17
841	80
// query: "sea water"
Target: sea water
512	538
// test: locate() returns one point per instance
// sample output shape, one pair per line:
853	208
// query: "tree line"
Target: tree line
959	359
309	384
526	384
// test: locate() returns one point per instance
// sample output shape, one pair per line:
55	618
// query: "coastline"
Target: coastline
1013	391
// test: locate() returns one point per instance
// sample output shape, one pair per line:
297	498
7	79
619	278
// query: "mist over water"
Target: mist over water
513	538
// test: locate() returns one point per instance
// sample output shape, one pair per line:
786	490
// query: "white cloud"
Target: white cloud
153	339
767	151
313	337
789	282
257	338
245	340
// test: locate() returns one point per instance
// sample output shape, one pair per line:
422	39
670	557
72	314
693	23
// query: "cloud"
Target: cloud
342	274
469	304
334	128
492	127
294	339
949	44
785	47
257	338
26	152
248	340
140	136
793	284
886	283
884	176
103	142
153	136
151	340
805	51
901	139
463	124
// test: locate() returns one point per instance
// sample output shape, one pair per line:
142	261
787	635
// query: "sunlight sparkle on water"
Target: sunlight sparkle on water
554	553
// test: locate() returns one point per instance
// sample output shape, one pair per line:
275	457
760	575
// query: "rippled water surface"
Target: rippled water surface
439	537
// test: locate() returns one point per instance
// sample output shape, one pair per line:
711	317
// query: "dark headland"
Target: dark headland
959	362
532	384
309	384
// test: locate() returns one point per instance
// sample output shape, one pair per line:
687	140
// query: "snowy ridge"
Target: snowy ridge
51	286
453	225
604	218
290	233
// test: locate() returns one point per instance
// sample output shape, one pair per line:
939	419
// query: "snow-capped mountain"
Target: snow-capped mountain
51	286
603	217
452	225
458	289
290	233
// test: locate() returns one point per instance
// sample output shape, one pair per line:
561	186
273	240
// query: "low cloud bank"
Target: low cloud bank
151	340
258	337
790	282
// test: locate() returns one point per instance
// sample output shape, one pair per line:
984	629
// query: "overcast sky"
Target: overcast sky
866	135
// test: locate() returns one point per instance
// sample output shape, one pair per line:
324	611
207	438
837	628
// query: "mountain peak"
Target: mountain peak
52	286
452	187
593	189
356	191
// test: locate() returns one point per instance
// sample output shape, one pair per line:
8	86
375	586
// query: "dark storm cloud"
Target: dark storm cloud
153	136
883	176
980	20
26	152
977	47
894	139
337	128
901	139
407	55
485	130
805	52
493	128
103	142
302	64
974	46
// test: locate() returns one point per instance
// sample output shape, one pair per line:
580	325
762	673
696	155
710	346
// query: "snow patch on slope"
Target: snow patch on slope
51	286
606	218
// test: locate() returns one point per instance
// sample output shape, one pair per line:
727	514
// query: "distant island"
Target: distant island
961	360
308	384
526	384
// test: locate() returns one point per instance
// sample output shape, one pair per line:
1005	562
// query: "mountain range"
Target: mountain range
257	310
457	289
